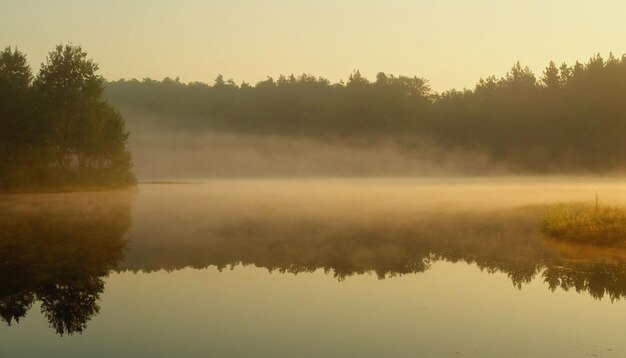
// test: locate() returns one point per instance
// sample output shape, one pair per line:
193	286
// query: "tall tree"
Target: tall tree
70	89
16	131
88	135
551	77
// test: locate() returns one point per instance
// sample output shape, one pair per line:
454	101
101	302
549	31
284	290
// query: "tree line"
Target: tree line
56	130
570	118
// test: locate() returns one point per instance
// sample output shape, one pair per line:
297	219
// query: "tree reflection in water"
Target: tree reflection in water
56	249
506	241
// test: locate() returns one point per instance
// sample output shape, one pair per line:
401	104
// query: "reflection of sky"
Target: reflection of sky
451	42
250	312
448	308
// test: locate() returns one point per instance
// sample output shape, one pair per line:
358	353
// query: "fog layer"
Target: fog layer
161	154
568	119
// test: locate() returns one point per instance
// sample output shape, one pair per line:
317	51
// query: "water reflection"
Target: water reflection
56	249
505	241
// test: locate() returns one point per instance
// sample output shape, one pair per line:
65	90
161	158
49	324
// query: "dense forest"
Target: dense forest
570	118
56	131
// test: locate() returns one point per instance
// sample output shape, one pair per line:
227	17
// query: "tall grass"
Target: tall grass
586	223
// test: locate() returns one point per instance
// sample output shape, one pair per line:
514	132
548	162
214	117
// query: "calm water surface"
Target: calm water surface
308	268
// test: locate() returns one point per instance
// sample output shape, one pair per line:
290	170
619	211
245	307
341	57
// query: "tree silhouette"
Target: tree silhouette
18	133
58	131
571	118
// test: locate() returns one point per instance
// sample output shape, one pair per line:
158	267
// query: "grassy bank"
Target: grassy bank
586	223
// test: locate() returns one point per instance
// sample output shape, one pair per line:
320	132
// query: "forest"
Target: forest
568	119
56	130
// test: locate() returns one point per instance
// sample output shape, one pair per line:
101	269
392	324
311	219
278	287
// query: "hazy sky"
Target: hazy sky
452	43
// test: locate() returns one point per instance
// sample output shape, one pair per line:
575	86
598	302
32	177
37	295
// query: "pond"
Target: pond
378	267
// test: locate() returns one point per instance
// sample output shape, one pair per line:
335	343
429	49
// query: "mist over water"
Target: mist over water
218	256
269	206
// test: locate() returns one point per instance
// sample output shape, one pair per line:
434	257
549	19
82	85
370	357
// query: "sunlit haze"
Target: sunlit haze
451	43
291	178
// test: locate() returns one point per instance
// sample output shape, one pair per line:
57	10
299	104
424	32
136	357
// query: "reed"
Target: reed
586	222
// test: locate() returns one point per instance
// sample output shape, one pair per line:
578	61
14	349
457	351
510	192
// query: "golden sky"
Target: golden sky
452	43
